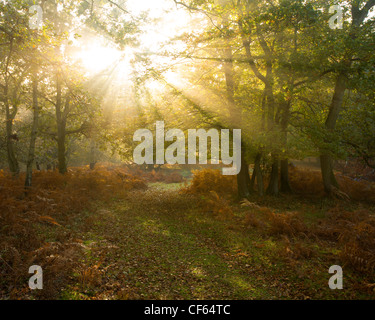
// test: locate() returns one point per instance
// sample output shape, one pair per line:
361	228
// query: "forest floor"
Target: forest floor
160	244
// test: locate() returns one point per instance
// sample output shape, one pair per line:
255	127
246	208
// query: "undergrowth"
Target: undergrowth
54	200
352	232
57	202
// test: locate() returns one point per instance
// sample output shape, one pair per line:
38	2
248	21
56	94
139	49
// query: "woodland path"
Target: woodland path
159	244
155	245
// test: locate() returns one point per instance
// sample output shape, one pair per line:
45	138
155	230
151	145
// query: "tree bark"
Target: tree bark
92	154
61	149
9	118
243	178
273	186
61	126
284	163
34	133
12	160
284	177
329	180
257	175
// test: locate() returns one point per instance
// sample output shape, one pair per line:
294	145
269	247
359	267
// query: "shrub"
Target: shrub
309	182
290	224
54	199
219	206
174	177
355	233
205	181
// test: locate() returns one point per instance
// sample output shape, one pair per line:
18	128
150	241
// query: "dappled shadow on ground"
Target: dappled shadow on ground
163	250
159	244
171	241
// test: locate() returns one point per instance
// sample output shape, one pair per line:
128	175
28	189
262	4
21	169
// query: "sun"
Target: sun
96	54
96	58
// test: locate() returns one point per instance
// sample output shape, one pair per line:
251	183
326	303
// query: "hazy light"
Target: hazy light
96	58
170	21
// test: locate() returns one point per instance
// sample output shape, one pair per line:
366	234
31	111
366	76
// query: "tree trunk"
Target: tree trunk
9	118
61	127
12	160
92	154
34	132
284	177
257	175
329	180
10	115
61	151
243	178
273	186
284	163
260	182
252	181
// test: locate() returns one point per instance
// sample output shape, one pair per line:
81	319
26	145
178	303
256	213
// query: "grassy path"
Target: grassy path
157	244
154	245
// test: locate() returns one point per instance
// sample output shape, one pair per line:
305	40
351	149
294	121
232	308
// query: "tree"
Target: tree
14	35
355	33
